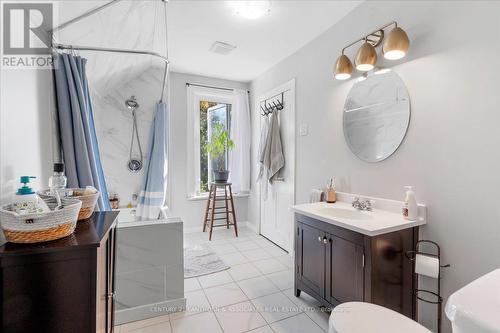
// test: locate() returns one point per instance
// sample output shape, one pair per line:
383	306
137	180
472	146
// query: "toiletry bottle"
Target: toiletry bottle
58	180
410	207
331	194
26	201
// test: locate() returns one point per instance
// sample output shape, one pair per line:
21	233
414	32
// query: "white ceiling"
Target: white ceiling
261	43
193	26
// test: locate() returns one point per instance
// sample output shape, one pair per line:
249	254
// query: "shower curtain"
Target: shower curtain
76	125
152	197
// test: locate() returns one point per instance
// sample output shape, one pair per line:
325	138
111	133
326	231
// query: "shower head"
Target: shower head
131	103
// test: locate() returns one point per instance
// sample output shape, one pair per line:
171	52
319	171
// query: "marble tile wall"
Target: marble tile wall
114	129
149	268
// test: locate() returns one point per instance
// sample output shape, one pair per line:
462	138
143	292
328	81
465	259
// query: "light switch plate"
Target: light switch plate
303	129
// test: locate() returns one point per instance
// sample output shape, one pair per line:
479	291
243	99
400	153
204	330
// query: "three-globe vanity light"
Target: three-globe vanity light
395	47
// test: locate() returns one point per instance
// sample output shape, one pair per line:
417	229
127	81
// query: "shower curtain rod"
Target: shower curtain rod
104	49
213	87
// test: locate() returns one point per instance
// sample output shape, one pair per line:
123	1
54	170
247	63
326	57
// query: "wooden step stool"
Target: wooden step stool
213	210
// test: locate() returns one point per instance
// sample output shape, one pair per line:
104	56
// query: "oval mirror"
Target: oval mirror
376	116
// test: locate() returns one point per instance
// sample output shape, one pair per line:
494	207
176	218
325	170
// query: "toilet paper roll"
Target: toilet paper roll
427	265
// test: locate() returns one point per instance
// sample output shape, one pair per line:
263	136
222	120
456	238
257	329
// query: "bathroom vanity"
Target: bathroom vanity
66	285
343	254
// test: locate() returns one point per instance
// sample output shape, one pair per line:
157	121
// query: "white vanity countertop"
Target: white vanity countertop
371	223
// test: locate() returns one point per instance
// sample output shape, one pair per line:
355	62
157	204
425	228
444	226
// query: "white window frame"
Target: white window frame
195	95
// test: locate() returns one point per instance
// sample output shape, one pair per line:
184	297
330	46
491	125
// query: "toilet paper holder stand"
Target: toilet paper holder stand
419	293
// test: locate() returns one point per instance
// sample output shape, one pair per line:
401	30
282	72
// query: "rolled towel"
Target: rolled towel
315	195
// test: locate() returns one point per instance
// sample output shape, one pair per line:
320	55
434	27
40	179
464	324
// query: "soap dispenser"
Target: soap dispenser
26	201
331	194
410	207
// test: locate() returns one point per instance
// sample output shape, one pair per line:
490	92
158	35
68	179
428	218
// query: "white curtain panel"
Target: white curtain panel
239	157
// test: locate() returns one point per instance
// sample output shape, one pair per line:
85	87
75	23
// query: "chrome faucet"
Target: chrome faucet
362	204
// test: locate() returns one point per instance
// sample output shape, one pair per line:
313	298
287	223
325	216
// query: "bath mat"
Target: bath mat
200	260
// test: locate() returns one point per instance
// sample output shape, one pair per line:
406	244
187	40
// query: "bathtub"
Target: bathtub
149	267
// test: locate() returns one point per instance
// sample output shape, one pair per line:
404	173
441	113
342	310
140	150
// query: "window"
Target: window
211	113
207	107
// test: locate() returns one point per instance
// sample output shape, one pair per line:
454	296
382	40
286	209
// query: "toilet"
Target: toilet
361	317
476	306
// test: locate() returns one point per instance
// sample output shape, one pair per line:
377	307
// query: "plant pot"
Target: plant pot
221	176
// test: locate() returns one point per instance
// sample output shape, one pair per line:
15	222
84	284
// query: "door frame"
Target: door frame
287	86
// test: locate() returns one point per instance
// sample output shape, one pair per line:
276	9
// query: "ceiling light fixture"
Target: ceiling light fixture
251	9
395	47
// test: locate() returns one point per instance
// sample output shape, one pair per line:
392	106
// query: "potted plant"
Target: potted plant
216	148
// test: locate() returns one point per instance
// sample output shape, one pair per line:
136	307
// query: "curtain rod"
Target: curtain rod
213	87
104	49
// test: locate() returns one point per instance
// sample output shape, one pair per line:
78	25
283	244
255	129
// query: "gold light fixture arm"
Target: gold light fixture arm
375	37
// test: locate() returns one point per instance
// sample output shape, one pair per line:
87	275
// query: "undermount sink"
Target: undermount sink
344	213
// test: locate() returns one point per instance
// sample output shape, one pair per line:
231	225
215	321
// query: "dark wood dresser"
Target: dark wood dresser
66	285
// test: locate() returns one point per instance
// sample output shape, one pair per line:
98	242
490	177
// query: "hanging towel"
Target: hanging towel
274	160
262	177
152	198
262	149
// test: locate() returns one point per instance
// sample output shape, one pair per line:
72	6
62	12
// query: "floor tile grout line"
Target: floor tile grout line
258	296
256	328
304	311
300	311
314	321
211	308
295	315
171	327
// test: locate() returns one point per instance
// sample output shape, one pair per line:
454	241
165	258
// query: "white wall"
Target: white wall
450	153
25	128
191	212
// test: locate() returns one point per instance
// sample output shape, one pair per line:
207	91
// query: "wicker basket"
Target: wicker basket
88	201
40	227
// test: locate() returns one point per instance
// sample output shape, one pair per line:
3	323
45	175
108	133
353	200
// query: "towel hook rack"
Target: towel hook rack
274	103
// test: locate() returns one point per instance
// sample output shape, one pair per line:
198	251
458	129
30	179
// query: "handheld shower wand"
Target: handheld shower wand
134	164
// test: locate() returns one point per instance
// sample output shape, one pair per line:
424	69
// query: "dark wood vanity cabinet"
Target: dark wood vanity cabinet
61	286
336	265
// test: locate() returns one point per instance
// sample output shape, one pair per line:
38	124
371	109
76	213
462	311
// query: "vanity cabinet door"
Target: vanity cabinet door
344	271
311	259
110	267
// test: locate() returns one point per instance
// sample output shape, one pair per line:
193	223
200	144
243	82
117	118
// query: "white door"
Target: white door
276	218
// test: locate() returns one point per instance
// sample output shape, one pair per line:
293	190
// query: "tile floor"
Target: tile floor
254	295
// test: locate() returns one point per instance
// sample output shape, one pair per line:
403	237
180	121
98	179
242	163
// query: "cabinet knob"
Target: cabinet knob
325	240
319	239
